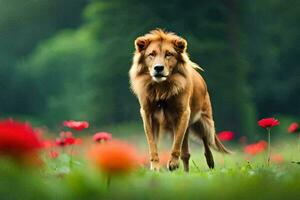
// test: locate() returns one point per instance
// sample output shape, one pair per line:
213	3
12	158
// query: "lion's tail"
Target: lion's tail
206	131
218	146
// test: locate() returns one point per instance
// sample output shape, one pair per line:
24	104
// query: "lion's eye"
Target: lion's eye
152	54
168	55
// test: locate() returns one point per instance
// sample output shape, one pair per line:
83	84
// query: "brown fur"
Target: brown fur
177	103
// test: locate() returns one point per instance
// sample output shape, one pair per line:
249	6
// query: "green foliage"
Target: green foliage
61	69
23	24
273	52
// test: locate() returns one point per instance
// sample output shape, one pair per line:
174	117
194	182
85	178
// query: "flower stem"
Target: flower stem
269	145
108	181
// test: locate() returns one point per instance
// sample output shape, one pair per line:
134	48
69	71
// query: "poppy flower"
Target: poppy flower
114	157
19	141
102	136
48	144
225	135
66	138
268	122
66	134
293	128
53	154
78	141
256	148
60	142
65	141
70	140
277	158
76	125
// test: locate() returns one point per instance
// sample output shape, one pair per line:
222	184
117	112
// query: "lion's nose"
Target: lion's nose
158	68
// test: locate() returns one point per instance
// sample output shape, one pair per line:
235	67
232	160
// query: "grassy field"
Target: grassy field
238	176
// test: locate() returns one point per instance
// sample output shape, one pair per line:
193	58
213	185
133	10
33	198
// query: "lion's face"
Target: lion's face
160	59
160	56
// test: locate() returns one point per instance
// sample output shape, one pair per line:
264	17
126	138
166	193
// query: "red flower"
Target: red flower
70	141
19	141
60	142
66	134
294	127
65	141
76	125
78	141
66	138
53	154
114	157
256	148
102	136
277	158
225	135
48	144
268	122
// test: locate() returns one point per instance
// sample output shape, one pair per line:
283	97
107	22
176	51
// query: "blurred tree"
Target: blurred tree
273	31
249	50
59	71
23	24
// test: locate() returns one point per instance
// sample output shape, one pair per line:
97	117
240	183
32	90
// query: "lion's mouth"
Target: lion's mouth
159	76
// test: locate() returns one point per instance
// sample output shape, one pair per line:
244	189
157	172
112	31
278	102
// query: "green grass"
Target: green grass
233	178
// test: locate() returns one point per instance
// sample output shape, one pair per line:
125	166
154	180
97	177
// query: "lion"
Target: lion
173	97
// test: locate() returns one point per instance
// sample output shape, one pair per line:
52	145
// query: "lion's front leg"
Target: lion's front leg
179	132
147	121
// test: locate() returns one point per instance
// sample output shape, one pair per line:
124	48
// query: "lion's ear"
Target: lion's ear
180	45
141	43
